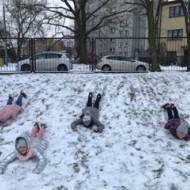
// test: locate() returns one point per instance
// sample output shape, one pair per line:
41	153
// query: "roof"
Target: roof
166	2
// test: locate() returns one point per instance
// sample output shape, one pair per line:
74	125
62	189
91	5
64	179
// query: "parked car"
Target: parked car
121	64
47	61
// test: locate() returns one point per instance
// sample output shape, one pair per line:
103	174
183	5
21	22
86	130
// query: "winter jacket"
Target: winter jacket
172	126
94	113
9	112
36	147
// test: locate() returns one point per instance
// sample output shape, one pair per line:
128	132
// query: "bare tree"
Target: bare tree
186	9
153	13
86	15
25	19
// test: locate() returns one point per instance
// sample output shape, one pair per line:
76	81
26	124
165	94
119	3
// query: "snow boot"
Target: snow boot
99	96
166	106
90	95
37	125
23	94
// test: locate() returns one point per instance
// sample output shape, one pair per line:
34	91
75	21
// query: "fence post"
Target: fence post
93	54
32	54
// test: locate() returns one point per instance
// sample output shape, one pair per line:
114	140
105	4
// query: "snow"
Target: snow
84	68
134	152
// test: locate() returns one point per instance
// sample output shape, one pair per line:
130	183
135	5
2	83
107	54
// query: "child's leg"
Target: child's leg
176	115
169	111
19	100
97	102
40	133
34	131
89	102
10	100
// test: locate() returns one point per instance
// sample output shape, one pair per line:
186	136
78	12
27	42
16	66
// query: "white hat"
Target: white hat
183	128
86	118
21	143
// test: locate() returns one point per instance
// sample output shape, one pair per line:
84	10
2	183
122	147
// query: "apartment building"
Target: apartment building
173	29
120	33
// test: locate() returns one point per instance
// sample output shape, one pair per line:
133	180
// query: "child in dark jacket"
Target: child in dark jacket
89	115
179	128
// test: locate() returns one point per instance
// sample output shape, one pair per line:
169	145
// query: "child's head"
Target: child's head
86	119
182	130
22	146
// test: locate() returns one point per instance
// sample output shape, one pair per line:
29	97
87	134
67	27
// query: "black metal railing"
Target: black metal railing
101	55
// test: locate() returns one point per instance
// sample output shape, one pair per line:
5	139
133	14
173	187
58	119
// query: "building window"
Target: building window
112	10
171	53
123	23
112	49
112	30
175	34
176	11
121	2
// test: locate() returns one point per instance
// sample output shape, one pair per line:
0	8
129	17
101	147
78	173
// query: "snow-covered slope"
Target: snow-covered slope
134	152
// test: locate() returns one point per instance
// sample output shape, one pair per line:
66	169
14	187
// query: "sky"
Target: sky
134	152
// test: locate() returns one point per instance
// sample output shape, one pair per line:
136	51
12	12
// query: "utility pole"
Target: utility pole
5	31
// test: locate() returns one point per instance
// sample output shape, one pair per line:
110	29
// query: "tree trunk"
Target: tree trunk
152	38
185	10
188	62
153	53
19	47
188	45
82	50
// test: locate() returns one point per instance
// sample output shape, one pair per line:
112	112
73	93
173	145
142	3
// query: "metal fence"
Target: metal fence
102	55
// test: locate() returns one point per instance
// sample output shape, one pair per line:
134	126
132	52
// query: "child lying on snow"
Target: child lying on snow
177	126
10	111
28	146
89	115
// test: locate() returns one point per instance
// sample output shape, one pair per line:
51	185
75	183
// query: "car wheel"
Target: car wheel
25	68
106	68
62	68
141	69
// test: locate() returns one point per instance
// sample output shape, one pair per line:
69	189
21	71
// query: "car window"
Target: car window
113	57
40	56
125	59
68	55
52	55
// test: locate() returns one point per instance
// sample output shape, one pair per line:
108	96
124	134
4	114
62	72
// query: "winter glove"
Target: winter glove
36	171
1	172
95	130
75	129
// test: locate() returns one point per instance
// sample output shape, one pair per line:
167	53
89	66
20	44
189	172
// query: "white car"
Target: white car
121	64
46	61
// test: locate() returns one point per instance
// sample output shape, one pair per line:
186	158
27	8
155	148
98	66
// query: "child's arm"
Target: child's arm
75	123
10	158
41	162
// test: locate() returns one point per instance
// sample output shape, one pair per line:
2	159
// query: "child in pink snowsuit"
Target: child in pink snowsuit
10	111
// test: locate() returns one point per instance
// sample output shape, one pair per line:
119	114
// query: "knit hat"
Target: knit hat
87	117
21	143
183	128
